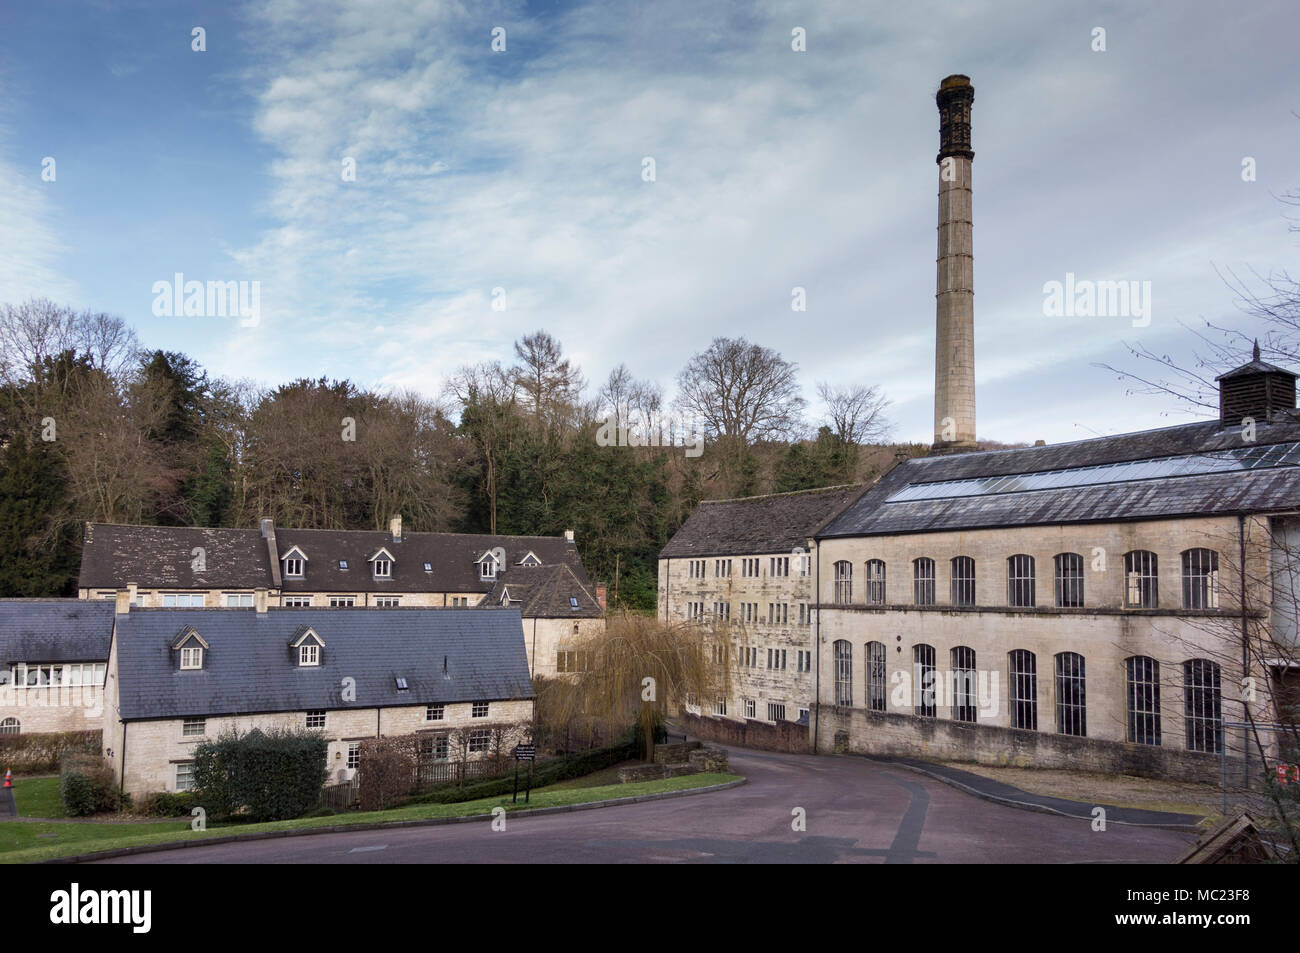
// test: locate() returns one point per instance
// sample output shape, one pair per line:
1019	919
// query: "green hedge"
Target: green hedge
265	775
43	751
546	772
168	804
86	785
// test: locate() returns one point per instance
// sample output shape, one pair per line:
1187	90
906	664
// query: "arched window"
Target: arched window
1141	580
923	676
1200	579
1071	700
963	683
923	581
1020	580
10	726
876	676
843	673
1069	580
875	582
1203	705
1023	669
963	581
1143	682
843	582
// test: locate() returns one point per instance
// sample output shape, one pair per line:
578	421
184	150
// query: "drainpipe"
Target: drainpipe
817	641
1245	650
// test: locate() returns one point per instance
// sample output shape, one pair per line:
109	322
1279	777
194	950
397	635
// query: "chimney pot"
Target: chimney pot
259	601
268	525
122	602
395	528
568	535
601	592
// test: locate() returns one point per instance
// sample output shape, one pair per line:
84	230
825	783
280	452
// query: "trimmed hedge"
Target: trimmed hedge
87	785
168	804
547	772
43	752
265	775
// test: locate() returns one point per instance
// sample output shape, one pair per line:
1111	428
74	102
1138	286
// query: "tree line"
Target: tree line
96	427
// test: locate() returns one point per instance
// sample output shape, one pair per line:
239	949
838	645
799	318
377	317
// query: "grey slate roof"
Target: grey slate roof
543	592
250	667
54	630
1252	491
758	524
159	557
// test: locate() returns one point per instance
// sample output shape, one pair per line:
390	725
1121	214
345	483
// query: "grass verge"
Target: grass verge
38	797
27	841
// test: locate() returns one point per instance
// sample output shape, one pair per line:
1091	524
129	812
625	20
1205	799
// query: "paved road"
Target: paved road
857	812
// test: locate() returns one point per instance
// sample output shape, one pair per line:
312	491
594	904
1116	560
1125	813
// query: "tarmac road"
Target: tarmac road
857	811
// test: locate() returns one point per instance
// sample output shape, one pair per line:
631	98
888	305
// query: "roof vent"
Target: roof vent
1258	390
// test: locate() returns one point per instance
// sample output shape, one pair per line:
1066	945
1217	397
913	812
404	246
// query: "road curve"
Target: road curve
855	811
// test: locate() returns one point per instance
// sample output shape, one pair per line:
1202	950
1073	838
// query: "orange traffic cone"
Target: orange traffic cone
9	778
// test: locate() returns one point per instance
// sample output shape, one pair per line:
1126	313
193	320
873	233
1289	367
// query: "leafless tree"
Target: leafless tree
741	391
855	413
549	384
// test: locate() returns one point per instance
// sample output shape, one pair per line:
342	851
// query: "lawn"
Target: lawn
38	797
23	842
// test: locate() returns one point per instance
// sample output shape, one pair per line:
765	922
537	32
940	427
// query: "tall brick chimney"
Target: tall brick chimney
954	352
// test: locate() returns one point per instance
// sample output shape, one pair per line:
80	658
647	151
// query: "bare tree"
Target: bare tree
741	391
856	413
489	398
549	384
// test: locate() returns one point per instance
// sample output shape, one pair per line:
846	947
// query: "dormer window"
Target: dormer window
295	563
309	647
530	560
487	566
383	569
192	658
309	654
191	647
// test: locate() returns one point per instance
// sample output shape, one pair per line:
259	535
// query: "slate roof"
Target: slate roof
159	557
543	592
54	630
758	524
1250	491
250	667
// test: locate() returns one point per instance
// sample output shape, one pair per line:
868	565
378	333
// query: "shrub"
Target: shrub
269	775
168	804
386	771
544	773
42	752
86	785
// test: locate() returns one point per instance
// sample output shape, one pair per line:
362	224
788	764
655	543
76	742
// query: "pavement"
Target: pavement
795	808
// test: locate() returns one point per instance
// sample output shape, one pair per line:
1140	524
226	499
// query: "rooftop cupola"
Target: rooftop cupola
1258	390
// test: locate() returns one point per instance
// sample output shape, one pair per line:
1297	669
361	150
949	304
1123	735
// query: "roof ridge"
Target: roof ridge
772	496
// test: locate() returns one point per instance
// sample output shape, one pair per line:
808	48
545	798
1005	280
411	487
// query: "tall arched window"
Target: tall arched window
923	676
1141	580
10	726
876	676
843	582
1071	699
1143	691
1023	669
1020	580
1200	579
1203	705
875	582
963	684
1069	580
963	581
923	581
843	673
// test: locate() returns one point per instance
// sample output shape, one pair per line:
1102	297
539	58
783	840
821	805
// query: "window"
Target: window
316	719
434	747
10	726
182	599
923	678
1020	580
722	611
239	600
1071	700
1143	677
570	662
805	661
843	673
1200	579
296	602
75	674
876	676
342	602
479	710
776	659
722	568
191	657
778	613
779	566
1068	578
428	567
354	755
293	566
383	569
805	564
388	602
843	582
487	569
963	683
185	776
697	567
343	565
1024	689
720	707
309	654
1203	705
776	711
963	581
1142	589
749	568
480	740
435	712
750	708
875	590
193	728
923	581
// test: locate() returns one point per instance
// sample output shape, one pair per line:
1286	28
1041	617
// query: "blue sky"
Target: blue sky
774	169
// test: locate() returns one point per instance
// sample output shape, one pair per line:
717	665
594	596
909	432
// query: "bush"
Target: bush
43	752
386	771
268	775
548	772
168	804
86	785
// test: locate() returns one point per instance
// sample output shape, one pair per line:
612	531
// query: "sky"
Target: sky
499	191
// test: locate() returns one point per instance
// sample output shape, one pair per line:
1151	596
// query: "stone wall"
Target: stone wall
781	736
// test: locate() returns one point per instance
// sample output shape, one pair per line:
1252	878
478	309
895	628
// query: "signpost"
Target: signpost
524	753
